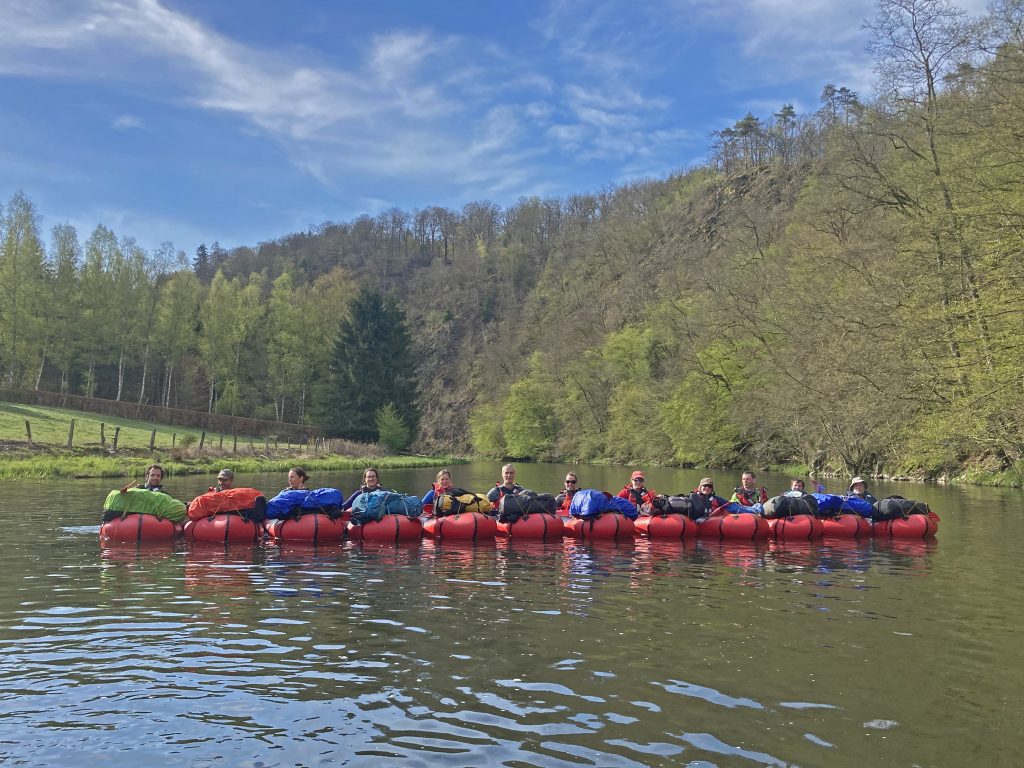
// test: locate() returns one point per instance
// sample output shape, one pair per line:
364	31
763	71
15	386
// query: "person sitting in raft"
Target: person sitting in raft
748	494
564	499
154	480
859	488
705	502
636	491
796	487
442	483
508	475
297	478
225	480
371	482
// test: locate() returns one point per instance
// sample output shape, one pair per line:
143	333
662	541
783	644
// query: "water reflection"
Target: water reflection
513	652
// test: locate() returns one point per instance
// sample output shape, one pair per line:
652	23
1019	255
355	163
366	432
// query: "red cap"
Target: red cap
637	474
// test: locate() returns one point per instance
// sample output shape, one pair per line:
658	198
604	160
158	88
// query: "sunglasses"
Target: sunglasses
707	486
638	480
570	482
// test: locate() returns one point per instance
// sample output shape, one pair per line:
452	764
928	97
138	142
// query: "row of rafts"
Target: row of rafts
226	528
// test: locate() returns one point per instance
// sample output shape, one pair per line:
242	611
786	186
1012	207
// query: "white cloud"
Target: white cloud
128	122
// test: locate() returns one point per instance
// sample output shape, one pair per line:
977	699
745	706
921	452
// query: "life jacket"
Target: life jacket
564	499
140	501
639	496
428	509
238	500
495	498
749	498
705	505
457	500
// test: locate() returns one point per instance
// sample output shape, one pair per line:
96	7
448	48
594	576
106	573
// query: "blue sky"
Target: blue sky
240	121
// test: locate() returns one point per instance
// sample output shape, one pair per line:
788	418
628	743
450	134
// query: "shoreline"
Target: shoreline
51	463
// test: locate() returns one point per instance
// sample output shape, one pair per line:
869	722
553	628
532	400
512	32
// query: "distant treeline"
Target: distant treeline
839	289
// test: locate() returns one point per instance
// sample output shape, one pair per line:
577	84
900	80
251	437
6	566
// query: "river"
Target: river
632	654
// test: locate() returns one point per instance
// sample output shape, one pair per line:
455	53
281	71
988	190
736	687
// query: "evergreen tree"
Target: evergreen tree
371	367
202	265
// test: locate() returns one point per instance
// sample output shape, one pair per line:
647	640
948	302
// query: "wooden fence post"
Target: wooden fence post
234	443
117	433
28	431
266	444
202	439
222	442
152	439
103	434
71	434
174	439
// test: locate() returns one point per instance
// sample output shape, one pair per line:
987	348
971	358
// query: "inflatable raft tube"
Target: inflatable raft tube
390	528
670	526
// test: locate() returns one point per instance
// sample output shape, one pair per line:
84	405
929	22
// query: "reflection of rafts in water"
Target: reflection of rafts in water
911	527
737	554
129	552
909	547
221	572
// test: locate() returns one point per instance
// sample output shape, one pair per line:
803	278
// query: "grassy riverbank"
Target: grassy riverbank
93	452
76	464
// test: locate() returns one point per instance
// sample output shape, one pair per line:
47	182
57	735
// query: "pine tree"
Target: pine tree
202	265
371	366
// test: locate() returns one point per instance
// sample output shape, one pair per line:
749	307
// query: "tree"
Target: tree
201	264
22	287
286	344
177	324
371	366
65	254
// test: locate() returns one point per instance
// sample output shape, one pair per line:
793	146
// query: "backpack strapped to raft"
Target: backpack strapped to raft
294	503
371	506
457	500
247	502
897	508
140	501
515	506
787	506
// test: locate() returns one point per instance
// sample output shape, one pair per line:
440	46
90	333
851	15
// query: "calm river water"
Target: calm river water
638	654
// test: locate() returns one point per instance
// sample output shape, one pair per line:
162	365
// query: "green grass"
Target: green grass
50	426
64	464
48	456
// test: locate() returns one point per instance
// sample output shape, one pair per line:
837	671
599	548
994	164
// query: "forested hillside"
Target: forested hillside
841	288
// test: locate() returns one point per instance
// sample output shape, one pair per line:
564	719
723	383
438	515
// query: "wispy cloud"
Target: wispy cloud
128	122
416	103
